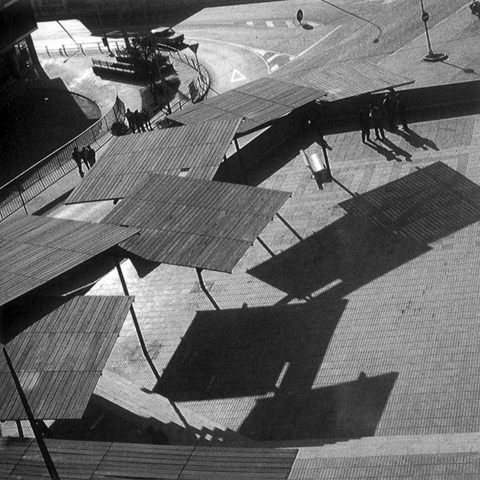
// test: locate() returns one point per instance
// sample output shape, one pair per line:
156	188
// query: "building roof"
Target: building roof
194	222
128	160
348	79
76	460
35	250
257	103
58	348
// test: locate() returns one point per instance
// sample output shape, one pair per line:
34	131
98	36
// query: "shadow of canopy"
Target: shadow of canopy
382	230
344	411
274	354
235	353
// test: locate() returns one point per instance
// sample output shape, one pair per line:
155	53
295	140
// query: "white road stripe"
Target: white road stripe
269	24
250	24
273	57
290	24
318	41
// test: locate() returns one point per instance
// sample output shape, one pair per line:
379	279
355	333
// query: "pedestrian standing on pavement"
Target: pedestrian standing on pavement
364	120
77	156
138	119
146	118
401	110
377	122
91	156
389	104
130	119
85	154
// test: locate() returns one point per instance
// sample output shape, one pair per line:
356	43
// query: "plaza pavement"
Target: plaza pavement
362	328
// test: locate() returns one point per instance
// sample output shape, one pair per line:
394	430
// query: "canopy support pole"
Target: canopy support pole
204	288
265	246
289	226
136	324
36	431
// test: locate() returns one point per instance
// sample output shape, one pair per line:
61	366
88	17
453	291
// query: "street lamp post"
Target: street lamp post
430	56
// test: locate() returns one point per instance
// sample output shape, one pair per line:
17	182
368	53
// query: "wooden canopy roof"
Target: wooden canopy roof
193	222
58	348
257	103
35	250
198	149
348	79
97	460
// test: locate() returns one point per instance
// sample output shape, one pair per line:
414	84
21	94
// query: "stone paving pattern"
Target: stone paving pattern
384	340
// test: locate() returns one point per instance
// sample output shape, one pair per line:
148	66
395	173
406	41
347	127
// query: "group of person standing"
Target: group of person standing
371	116
86	156
138	121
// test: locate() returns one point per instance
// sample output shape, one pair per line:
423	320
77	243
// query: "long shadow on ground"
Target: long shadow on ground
274	353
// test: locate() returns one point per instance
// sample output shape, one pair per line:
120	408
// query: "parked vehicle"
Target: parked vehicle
167	36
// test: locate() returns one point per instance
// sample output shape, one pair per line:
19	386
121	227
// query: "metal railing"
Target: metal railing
15	194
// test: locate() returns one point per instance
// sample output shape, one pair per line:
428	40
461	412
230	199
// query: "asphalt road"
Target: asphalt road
243	42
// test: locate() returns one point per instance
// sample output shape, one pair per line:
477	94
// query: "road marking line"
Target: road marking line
269	24
318	41
250	24
290	24
237	76
273	56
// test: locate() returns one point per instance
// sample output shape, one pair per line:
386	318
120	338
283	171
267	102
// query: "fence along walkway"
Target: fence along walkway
15	194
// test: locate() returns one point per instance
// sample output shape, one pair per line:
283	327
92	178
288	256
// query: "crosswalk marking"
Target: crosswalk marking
283	23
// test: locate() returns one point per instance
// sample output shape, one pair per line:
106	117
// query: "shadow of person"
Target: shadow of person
306	26
398	151
388	154
416	140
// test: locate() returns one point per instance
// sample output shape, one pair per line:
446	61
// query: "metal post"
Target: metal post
204	288
430	57
265	246
136	324
20	190
36	431
289	226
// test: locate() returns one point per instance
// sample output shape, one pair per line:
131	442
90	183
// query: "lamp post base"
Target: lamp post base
435	57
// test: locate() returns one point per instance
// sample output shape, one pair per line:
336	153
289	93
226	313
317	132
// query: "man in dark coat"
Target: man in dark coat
130	119
77	156
364	120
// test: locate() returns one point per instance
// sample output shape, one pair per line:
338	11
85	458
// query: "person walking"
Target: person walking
85	154
138	119
146	118
91	156
130	119
376	117
364	120
77	157
390	107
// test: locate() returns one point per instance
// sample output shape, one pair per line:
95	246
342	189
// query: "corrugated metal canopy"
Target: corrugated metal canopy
348	79
35	250
58	348
257	103
96	460
128	161
194	222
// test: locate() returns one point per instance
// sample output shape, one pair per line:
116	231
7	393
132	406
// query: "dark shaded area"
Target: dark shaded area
37	123
348	410
100	425
20	314
276	352
383	229
232	353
